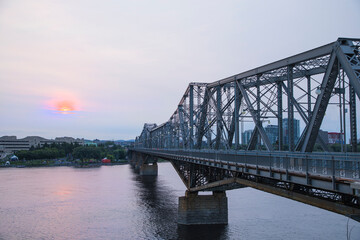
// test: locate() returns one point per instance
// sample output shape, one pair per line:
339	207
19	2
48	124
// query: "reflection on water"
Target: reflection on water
202	232
161	212
112	202
158	207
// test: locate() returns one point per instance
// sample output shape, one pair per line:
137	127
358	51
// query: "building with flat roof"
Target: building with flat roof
246	135
296	136
11	144
272	131
324	135
335	137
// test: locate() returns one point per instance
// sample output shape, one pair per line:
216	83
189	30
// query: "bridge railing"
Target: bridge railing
341	165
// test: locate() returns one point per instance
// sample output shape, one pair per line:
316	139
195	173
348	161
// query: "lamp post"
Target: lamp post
318	91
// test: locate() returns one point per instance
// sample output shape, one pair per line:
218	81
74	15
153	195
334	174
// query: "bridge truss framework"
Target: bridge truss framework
209	115
304	85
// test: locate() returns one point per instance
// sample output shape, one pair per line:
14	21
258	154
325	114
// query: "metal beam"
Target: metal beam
220	183
219	114
314	53
348	211
280	117
327	86
297	74
191	128
182	125
258	110
234	126
264	104
253	115
253	139
308	96
353	130
236	115
295	103
219	123
290	108
202	119
182	177
350	71
305	119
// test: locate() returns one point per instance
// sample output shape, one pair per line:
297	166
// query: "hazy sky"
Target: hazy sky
113	65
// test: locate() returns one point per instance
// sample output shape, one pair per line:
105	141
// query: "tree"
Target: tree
86	152
44	153
120	153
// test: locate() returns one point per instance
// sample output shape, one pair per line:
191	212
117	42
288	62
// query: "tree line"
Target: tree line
73	151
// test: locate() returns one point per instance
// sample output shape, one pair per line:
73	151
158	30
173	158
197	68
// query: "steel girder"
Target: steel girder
283	174
208	114
194	175
327	86
353	131
256	117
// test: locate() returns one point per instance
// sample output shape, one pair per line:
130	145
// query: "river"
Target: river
112	202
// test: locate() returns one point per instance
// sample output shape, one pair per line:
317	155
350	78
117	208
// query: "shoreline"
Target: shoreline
76	165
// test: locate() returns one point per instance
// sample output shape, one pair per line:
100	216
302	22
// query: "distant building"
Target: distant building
10	144
324	136
98	141
335	137
36	141
69	140
124	143
246	136
90	143
286	130
40	141
272	131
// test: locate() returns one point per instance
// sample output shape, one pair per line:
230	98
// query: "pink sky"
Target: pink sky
119	64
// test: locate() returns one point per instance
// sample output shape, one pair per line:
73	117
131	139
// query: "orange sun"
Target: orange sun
65	107
63	103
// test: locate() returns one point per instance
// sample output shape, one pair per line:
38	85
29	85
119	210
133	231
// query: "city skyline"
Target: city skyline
105	70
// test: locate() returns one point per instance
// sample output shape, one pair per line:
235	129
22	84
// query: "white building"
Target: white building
10	144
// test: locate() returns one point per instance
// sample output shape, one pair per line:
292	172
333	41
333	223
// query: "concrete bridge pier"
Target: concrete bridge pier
133	159
136	163
144	164
133	164
203	209
147	169
137	167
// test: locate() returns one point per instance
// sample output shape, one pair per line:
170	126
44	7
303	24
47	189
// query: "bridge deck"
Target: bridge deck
332	172
328	181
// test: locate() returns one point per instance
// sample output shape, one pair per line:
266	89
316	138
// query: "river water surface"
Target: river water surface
112	202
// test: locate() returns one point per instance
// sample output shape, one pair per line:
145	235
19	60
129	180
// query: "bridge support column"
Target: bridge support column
134	161
203	209
138	161
149	170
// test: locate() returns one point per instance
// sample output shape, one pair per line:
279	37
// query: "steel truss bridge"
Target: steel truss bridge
203	140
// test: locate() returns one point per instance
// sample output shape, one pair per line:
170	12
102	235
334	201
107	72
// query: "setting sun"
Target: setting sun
58	105
65	107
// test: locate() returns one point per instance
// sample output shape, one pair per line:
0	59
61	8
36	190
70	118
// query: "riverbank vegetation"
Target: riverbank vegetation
68	154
